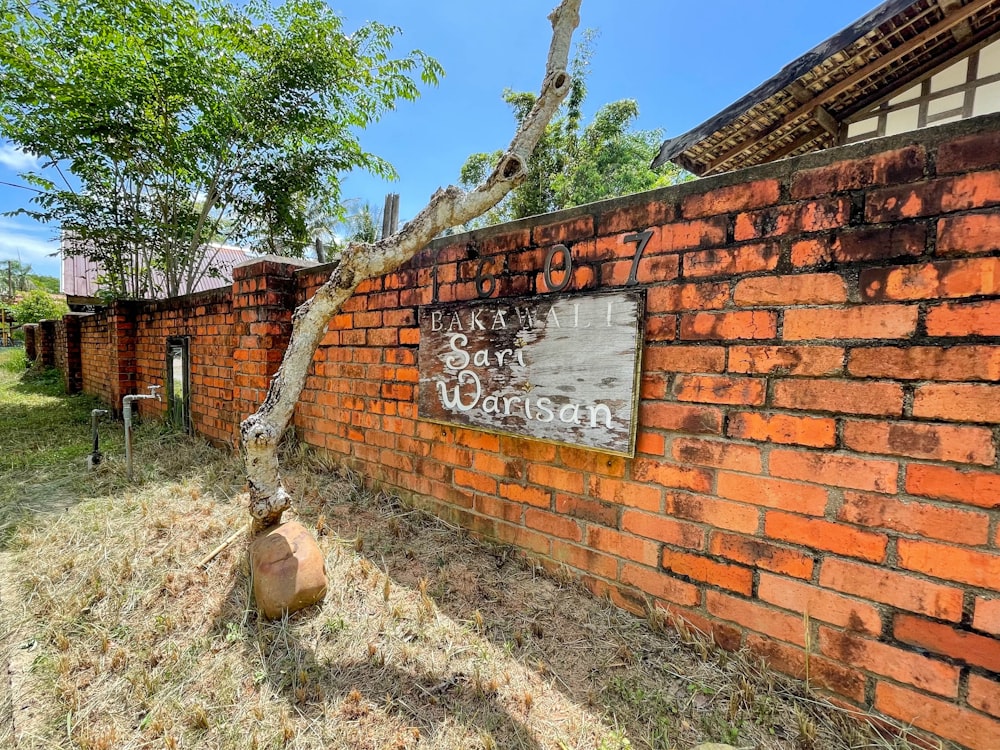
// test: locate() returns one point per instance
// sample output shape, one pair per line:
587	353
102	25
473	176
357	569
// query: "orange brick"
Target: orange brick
663	529
685	297
560	479
972	233
475	481
721	514
977	650
902	165
722	455
836	470
786	360
760	554
819	604
839	538
723	575
864	322
587	510
732	198
684	359
671	475
944	718
730	261
840	396
817	432
958	403
748	324
804	289
631	494
583	559
951	563
943	279
687	235
821	672
970	445
914	518
717	389
528	495
697	420
861	244
634	217
969	152
664	587
984	694
987	615
564	230
773	493
882	659
893	588
757	617
496	508
964	319
650	443
623	545
978	488
591	461
808	216
551	523
927	363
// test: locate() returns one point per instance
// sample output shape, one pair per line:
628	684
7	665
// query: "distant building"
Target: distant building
905	65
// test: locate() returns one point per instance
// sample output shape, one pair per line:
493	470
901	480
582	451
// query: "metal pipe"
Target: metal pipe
95	457
127	417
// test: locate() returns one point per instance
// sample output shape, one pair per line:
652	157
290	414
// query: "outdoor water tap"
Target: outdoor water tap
127	418
95	457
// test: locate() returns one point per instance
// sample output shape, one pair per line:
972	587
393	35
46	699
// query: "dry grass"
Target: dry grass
428	639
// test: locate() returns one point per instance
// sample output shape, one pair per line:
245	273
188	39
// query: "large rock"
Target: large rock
289	572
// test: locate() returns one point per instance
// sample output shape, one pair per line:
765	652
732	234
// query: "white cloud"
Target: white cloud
16	160
30	243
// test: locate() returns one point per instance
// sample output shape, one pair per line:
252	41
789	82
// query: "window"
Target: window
178	391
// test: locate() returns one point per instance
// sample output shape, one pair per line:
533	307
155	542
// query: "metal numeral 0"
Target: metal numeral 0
642	238
567	268
486	284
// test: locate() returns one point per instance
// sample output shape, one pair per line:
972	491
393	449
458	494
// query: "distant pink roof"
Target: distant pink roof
79	274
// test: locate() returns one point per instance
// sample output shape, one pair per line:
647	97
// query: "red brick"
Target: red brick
926	363
698	420
587	510
671	475
958	403
530	449
592	461
650	443
528	495
840	396
944	718
721	455
721	514
564	230
893	588
749	324
786	360
475	481
760	554
864	322
623	545
496	508
684	359
817	432
732	198
819	604
820	672
687	235
805	289
977	650
663	529
583	559
757	617
978	488
968	234
861	244
699	568
560	479
551	523
902	165
943	279
664	587
959	193
882	659
684	297
970	445
835	470
984	694
833	537
969	152
951	563
635	217
986	616
914	518
731	261
773	493
661	328
809	216
717	389
964	319
629	494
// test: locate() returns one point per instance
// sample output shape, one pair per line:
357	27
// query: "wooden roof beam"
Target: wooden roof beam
964	30
943	26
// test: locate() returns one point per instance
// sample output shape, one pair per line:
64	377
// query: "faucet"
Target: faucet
127	416
95	458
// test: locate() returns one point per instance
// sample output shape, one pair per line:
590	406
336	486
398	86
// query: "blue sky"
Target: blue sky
682	61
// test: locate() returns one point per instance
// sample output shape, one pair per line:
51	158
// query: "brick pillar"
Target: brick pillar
30	341
264	297
46	344
73	372
122	330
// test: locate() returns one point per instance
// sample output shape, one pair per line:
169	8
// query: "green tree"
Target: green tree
573	165
37	305
180	120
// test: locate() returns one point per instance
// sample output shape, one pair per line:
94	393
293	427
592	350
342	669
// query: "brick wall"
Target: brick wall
816	473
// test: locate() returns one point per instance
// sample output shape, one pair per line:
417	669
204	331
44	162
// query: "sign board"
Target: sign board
560	368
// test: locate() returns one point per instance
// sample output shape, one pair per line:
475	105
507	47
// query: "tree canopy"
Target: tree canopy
181	122
573	165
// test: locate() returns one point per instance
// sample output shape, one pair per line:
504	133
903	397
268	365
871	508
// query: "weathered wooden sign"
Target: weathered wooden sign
561	368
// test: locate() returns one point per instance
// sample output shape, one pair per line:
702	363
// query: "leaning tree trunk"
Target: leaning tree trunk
449	207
